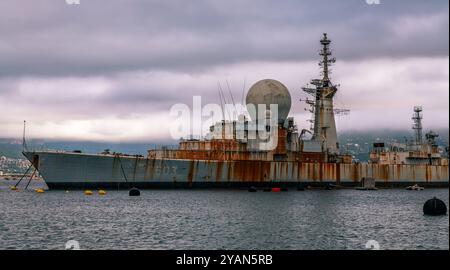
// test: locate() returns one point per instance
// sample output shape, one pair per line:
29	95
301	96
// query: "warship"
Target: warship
232	156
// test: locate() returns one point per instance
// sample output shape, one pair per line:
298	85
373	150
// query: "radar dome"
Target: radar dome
268	92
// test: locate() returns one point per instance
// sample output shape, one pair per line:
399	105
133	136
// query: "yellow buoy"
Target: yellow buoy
13	188
39	190
101	192
88	192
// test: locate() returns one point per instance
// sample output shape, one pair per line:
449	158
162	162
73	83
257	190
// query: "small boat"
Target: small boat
415	187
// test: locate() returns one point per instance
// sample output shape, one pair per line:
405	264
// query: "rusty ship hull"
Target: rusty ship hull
67	170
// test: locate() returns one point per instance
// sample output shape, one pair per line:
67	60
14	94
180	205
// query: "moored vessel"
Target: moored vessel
264	149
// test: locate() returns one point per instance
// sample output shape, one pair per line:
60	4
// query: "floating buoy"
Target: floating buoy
434	207
101	192
88	192
300	188
13	188
134	192
67	191
252	189
276	189
284	189
267	189
328	187
39	190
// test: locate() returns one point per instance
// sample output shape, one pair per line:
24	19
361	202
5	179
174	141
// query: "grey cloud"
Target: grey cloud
112	59
50	38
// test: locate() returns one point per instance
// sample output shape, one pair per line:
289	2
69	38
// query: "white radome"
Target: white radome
268	92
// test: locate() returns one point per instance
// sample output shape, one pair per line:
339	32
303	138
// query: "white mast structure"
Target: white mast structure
324	126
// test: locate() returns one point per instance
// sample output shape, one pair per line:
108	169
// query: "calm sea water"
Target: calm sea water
221	219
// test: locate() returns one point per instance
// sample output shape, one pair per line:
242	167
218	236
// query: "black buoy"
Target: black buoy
134	192
434	207
284	189
300	188
328	187
252	189
267	189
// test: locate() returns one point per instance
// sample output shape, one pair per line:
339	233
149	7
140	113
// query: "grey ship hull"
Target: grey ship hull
67	170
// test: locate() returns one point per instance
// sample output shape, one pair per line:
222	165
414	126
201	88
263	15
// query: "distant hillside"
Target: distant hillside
12	148
388	136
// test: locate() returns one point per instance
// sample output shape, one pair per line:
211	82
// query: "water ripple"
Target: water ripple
221	219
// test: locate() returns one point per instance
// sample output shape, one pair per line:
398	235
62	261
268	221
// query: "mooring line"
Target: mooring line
123	171
31	178
29	167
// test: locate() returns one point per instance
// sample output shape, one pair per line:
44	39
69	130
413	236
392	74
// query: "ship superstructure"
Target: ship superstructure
231	140
324	136
414	152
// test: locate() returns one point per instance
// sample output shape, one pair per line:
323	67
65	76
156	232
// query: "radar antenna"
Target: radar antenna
340	112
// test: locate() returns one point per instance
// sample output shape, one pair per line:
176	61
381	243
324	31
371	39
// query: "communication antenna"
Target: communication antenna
417	126
231	94
24	142
221	101
322	92
243	90
221	92
340	112
224	98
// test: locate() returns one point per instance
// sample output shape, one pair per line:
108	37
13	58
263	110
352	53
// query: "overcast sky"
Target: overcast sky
112	69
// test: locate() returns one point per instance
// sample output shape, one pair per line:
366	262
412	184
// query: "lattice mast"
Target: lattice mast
417	126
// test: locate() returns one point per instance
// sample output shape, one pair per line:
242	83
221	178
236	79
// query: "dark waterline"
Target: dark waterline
221	219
